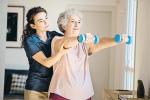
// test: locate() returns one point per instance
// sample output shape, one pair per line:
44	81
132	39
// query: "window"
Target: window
130	49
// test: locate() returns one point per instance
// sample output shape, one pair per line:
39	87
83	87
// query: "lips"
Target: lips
47	26
75	29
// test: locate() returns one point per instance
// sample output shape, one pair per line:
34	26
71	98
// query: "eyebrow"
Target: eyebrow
40	19
74	19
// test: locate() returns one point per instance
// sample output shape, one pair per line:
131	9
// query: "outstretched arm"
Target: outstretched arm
105	42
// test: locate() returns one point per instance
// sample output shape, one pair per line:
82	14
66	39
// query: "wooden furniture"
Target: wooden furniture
110	94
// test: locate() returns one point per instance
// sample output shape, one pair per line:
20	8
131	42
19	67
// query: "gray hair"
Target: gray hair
64	16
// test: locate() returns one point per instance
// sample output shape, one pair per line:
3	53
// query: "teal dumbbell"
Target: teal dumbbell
118	39
96	39
82	38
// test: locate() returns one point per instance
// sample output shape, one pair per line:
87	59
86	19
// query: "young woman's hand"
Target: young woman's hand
62	50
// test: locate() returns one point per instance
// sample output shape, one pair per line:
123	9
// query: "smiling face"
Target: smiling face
41	23
73	25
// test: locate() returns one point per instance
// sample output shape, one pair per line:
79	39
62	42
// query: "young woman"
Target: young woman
36	40
71	79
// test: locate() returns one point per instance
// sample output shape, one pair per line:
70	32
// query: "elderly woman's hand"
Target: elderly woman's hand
124	38
89	38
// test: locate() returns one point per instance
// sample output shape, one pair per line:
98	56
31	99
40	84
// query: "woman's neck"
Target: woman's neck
42	36
70	35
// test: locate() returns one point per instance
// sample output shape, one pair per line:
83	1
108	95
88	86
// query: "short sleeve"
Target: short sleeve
31	47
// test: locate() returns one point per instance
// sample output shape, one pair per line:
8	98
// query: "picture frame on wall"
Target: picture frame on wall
15	24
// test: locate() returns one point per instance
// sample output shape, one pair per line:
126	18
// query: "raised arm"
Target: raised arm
105	42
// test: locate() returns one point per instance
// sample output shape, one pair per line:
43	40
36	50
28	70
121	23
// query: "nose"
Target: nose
45	21
76	24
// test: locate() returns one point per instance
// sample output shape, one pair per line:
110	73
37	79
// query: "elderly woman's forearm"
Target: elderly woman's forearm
104	43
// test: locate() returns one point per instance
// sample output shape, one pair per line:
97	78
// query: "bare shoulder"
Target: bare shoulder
57	42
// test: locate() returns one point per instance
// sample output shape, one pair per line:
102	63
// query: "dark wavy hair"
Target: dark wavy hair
28	30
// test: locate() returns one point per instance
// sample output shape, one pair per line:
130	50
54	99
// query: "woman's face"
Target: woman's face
41	23
73	26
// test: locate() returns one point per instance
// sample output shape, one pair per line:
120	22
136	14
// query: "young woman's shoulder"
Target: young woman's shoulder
55	33
32	39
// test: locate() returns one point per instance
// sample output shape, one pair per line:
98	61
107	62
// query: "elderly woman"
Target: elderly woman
71	79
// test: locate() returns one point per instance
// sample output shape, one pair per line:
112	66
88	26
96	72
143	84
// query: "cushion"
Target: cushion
18	83
8	79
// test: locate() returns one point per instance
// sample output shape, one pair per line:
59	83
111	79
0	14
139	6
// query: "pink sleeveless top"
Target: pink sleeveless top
71	78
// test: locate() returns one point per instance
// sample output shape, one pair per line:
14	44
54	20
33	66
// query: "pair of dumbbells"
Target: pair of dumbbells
118	38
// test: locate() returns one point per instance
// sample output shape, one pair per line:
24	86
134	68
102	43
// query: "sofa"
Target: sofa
14	84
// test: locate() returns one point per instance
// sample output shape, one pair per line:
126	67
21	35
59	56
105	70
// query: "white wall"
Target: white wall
117	57
142	58
3	19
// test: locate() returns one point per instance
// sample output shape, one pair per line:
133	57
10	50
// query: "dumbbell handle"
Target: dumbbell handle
82	38
118	39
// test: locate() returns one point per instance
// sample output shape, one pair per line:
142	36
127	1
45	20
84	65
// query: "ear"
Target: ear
64	27
32	26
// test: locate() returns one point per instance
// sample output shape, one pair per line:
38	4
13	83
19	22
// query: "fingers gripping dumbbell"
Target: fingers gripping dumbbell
83	38
118	39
